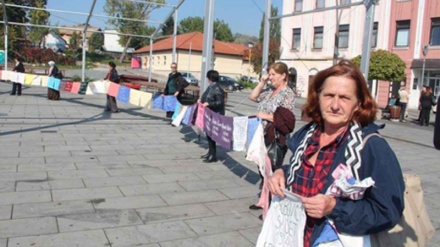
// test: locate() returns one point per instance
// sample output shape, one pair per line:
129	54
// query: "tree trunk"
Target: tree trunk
124	52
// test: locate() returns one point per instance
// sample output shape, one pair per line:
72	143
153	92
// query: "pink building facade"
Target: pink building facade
415	25
403	27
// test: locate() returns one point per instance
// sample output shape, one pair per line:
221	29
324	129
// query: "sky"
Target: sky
242	16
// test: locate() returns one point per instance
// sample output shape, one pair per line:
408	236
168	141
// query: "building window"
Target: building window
296	39
402	33
298	5
374	35
343	36
164	60
435	32
320	4
318	37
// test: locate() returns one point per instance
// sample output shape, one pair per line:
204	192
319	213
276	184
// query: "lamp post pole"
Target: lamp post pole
425	52
250	45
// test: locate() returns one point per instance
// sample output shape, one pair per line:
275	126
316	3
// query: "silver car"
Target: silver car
190	78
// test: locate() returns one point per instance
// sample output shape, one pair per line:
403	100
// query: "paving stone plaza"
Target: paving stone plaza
72	174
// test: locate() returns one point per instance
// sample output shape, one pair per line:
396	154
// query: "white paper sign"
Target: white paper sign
284	224
239	134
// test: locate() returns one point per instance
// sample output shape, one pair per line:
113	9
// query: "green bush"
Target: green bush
248	84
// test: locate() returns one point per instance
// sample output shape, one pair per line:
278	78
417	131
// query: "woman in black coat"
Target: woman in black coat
426	102
214	99
112	76
16	87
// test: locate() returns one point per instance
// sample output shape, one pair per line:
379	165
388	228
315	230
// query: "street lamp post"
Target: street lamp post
425	52
250	45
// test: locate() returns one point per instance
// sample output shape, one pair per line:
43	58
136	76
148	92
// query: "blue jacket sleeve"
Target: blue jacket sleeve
382	205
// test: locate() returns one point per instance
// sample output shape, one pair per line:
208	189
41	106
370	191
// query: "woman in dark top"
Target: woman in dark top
214	99
426	106
16	87
53	94
112	76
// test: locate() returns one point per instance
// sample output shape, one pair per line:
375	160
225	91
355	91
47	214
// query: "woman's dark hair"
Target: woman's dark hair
112	64
213	75
367	105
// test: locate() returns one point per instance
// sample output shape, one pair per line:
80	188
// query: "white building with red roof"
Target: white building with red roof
229	58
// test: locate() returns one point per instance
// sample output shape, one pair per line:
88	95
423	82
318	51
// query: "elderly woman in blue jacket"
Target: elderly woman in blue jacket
342	112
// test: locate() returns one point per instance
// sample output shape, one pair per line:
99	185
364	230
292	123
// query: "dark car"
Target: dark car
190	78
227	83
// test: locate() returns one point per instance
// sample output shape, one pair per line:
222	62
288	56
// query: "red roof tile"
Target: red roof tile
195	40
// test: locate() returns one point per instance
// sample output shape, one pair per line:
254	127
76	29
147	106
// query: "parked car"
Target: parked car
190	78
227	83
250	79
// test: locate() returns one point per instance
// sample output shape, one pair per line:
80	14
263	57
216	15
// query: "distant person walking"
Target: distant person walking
426	103
112	76
175	85
53	94
16	87
403	98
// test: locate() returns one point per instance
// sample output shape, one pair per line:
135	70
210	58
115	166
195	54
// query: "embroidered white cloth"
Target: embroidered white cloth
239	133
257	150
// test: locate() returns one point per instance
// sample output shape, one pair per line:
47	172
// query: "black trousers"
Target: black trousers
16	88
424	116
212	146
111	104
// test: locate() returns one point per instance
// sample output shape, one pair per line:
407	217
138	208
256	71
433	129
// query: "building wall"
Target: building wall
420	13
308	60
230	65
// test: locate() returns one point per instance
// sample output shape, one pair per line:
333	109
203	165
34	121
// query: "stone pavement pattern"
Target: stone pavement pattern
74	175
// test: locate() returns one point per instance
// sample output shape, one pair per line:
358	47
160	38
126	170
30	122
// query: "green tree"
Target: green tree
257	54
40	17
168	27
19	15
222	31
96	41
191	24
132	10
74	41
274	27
384	65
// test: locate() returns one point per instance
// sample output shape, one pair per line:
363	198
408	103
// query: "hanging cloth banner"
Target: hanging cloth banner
135	97
207	126
51	82
157	101
113	89
75	87
169	103
57	84
225	127
176	111
253	123
97	87
123	94
44	80
36	81
187	119
145	99
176	122
200	118
240	133
28	79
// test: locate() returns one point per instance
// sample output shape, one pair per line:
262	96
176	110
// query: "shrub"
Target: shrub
42	56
